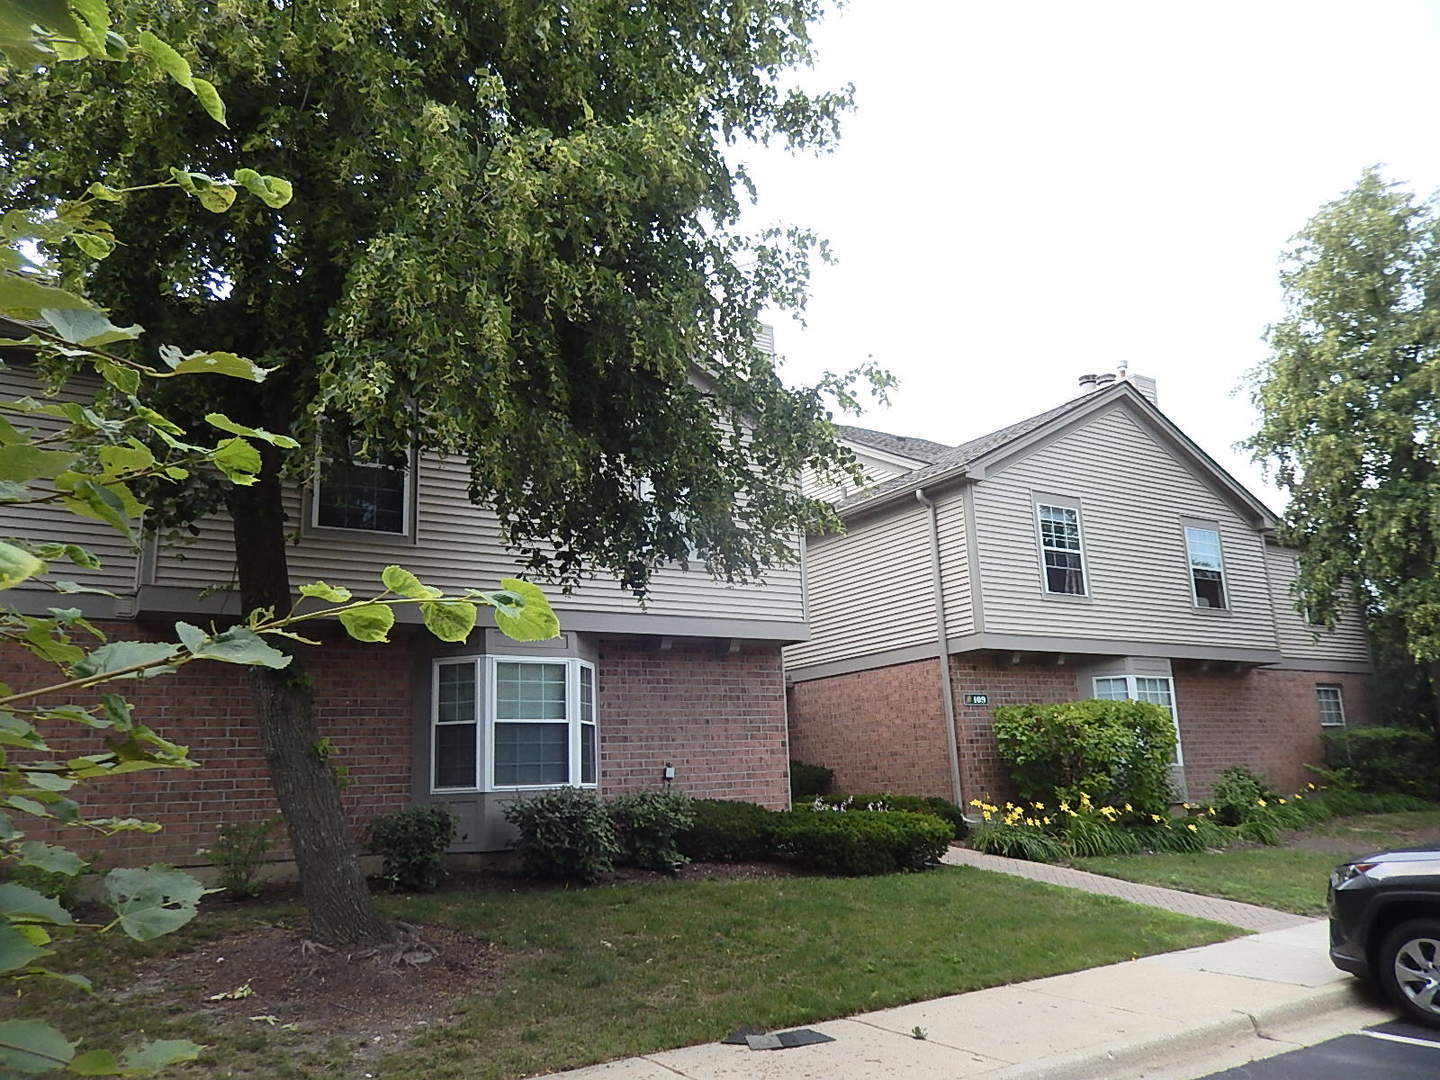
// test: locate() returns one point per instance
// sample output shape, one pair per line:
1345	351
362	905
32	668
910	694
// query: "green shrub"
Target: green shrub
1088	832
1112	751
861	842
648	825
64	889
1385	760
412	845
914	804
239	851
808	780
724	830
564	834
1343	802
1239	794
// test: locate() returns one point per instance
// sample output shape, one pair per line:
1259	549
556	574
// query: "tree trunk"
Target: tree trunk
331	883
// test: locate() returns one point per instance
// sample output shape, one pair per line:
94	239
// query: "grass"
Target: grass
1290	878
612	971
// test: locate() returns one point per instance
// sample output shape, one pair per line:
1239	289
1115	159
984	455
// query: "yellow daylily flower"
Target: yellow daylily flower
1192	828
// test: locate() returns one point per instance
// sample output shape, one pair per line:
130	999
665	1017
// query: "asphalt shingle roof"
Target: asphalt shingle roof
904	445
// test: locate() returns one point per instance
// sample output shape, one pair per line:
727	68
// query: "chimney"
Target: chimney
1146	386
1087	383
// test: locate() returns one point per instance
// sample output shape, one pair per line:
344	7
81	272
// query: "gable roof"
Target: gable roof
905	446
959	461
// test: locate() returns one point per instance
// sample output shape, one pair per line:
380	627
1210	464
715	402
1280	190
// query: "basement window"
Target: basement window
1207	566
1062	554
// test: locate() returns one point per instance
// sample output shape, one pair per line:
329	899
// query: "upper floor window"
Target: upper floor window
352	493
534	728
1062	552
1207	566
1332	705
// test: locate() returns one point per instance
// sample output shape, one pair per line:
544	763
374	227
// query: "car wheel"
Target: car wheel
1408	965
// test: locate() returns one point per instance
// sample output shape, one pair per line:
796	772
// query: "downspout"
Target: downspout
942	644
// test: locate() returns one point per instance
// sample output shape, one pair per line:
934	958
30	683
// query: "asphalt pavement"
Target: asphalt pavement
1396	1050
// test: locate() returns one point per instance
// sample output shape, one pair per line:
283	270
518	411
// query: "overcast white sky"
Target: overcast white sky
1030	191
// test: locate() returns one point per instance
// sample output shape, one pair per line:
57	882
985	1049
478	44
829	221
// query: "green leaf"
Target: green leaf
16	949
93	244
124	379
153	900
158	1054
123	654
524	614
224	423
219	197
103	193
88	326
170	61
240	646
32	1046
368	622
96	1063
19	903
118	459
215	362
19	294
238	460
17	565
22	462
335	594
211	103
403	583
449	622
271	190
57	860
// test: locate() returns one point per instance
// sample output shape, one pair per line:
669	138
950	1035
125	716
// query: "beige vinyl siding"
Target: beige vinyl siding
1298	639
1133	492
869	590
458	545
876	471
50	522
955	565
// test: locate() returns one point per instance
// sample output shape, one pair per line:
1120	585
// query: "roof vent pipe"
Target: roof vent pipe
1087	383
1102	381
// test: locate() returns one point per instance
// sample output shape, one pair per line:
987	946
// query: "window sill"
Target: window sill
365	536
1068	598
1210	612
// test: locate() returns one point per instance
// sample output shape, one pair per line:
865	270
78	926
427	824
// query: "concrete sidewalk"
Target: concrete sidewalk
1112	1021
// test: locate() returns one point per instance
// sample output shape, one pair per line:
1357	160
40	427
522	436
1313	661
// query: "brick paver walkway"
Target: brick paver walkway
1247	916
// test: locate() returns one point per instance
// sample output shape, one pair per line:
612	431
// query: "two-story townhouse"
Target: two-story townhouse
686	691
1092	550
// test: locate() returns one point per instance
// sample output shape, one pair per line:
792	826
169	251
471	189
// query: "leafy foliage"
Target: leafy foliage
564	834
648	825
807	780
412	845
1109	751
1237	794
238	852
914	804
727	830
860	842
1384	760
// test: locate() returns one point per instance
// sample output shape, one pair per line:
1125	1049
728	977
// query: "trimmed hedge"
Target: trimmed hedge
915	804
861	842
412	844
565	833
1384	760
648	824
723	830
807	780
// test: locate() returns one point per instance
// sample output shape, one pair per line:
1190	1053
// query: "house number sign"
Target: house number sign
977	699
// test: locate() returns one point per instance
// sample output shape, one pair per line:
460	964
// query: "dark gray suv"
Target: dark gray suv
1385	926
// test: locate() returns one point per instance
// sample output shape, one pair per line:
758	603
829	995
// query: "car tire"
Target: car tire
1408	967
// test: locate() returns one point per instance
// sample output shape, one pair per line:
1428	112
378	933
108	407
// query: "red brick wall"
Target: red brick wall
364	701
1267	720
717	717
882	729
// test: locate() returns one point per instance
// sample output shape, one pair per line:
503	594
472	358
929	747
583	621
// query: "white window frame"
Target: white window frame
1042	502
407	490
1339	704
1188	526
486	693
1132	694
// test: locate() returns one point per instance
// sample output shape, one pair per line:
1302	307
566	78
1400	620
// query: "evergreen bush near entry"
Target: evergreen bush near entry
807	780
412	845
1111	751
1384	760
724	830
565	834
915	804
648	826
861	842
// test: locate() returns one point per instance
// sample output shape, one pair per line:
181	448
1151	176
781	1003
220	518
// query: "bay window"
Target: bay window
1155	689
513	722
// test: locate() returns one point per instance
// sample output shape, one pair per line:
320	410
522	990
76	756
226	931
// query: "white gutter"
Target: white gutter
947	697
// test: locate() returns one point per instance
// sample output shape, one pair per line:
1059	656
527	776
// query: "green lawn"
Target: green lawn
1290	878
611	971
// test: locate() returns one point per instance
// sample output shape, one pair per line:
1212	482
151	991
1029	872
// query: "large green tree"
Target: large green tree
514	238
1349	400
